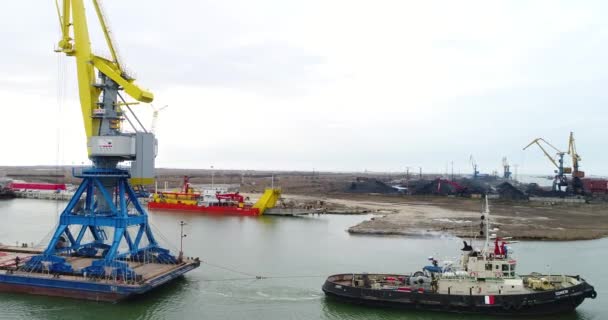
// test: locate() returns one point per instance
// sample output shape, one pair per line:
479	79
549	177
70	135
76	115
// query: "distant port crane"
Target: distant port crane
506	173
577	174
474	165
560	180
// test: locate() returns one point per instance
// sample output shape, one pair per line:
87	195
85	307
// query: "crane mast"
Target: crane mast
575	157
577	175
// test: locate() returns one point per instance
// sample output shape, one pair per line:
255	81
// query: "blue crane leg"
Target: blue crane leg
110	186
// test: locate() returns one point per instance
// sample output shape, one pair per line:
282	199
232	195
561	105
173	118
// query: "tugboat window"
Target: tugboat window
488	266
505	267
497	266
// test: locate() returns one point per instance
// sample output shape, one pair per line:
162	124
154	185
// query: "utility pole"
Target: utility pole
452	162
420	173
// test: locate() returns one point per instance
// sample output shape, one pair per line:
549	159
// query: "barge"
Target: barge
16	278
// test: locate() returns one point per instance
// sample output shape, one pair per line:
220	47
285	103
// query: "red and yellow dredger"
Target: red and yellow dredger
187	199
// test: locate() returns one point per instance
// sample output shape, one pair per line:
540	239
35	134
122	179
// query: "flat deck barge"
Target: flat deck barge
14	279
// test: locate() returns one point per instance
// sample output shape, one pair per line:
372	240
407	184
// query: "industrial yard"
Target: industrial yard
431	206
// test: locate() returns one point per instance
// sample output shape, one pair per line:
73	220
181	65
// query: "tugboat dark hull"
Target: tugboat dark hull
546	302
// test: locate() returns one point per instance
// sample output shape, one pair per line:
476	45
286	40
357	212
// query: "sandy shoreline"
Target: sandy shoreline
424	216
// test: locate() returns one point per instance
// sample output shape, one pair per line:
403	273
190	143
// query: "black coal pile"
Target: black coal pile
508	191
368	185
439	187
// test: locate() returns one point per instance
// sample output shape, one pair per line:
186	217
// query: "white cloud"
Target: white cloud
343	85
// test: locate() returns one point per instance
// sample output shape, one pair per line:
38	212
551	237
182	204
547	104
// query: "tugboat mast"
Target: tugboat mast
486	217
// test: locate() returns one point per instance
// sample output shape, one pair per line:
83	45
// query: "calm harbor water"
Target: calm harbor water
297	253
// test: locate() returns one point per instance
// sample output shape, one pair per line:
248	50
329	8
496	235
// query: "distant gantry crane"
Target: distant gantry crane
155	117
474	165
560	180
506	174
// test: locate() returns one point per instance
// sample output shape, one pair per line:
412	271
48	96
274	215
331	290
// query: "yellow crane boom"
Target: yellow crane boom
560	179
75	41
100	81
537	142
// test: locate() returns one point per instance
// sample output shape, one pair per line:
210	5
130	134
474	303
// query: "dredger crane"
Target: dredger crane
110	203
560	179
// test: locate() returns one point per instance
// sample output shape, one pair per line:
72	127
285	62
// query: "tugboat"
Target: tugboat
5	191
483	282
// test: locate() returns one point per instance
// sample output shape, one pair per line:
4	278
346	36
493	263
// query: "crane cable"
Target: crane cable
251	276
247	275
61	97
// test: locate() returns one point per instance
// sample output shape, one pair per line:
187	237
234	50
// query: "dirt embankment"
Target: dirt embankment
420	216
401	215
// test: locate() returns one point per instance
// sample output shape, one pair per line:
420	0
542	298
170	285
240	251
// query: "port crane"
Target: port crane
155	117
109	202
577	175
575	157
506	174
474	165
560	180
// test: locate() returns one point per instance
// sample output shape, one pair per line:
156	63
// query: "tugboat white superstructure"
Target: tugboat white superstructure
484	281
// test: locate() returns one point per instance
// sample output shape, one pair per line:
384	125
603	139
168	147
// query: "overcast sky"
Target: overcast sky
330	85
